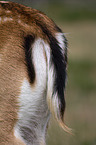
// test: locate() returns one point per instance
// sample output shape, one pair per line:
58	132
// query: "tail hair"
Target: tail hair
56	53
57	74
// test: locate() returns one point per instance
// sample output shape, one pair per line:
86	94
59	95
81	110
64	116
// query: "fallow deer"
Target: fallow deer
33	61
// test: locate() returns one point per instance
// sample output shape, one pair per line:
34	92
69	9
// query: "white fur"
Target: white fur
0	19
50	75
60	39
5	19
35	98
53	101
39	63
29	101
32	97
8	11
4	2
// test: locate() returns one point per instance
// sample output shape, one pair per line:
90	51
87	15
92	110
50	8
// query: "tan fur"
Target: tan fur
16	21
26	17
11	64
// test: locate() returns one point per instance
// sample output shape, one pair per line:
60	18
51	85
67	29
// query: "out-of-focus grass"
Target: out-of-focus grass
81	106
80	111
63	12
82	74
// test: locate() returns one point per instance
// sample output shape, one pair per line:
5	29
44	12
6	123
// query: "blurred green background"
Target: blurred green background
77	18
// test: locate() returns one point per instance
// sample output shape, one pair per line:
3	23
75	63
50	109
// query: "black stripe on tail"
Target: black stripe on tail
59	61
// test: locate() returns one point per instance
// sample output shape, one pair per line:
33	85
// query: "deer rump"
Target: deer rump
33	61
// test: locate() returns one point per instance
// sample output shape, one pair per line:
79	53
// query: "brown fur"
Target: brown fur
16	22
12	72
28	17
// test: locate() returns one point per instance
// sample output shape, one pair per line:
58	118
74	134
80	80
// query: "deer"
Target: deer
33	72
